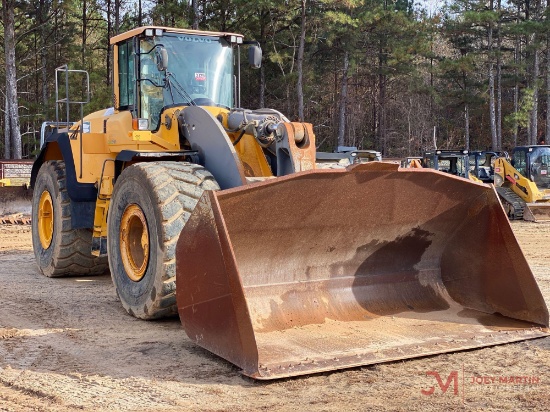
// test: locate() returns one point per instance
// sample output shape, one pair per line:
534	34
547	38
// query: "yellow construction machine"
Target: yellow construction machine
523	183
218	213
15	196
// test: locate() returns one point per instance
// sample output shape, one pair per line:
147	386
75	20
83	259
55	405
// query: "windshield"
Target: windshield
199	71
540	162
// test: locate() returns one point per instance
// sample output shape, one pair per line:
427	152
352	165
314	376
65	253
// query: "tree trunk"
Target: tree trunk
117	16
84	31
43	16
516	86
300	64
409	126
533	123
263	41
12	133
108	54
7	131
382	111
343	101
499	79
466	127
534	111
195	5
492	115
548	85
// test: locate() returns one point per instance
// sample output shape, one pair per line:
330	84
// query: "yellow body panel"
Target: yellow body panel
523	187
88	167
94	143
108	132
252	157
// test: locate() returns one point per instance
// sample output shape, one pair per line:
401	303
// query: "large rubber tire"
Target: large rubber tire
160	197
69	250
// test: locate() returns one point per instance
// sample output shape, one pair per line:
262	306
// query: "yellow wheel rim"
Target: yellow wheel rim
134	242
45	219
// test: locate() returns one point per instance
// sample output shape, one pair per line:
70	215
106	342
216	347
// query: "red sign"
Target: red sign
200	77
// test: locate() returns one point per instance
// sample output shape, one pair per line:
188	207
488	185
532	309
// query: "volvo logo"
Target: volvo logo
195	39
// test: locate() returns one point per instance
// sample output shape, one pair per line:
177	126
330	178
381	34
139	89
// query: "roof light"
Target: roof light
149	32
234	39
158	32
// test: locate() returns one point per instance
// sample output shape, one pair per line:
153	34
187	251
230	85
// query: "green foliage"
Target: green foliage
521	118
408	72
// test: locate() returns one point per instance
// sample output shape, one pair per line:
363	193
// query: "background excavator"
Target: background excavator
523	183
218	213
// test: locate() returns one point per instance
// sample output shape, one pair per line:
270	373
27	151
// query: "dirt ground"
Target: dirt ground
67	344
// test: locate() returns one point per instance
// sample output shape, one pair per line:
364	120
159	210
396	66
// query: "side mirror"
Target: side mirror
161	55
255	56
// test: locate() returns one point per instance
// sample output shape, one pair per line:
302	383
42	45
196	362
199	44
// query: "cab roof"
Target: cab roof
139	30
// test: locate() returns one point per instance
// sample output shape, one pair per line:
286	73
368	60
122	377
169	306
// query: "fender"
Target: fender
83	195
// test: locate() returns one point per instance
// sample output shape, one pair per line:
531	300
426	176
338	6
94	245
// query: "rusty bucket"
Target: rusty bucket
332	269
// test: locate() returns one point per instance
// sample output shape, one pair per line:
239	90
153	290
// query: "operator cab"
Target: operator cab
482	164
454	162
161	67
533	163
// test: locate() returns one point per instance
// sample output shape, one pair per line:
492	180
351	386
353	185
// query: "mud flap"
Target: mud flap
332	269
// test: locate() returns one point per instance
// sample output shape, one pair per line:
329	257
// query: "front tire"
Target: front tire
59	249
151	203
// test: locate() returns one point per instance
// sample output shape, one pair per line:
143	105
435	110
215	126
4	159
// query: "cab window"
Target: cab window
520	162
126	74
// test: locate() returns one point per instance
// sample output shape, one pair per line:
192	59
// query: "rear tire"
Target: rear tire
59	249
151	203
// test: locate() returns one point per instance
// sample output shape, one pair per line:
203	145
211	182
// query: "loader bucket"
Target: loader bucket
15	200
330	269
537	212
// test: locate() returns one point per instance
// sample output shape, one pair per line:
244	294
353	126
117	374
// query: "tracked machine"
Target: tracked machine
523	183
218	213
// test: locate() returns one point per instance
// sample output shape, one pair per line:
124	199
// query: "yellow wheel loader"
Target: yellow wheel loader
523	183
218	213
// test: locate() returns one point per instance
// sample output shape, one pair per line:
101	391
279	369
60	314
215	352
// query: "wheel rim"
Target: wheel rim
45	219
134	242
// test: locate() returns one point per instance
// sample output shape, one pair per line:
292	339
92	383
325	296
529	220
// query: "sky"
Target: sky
431	6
